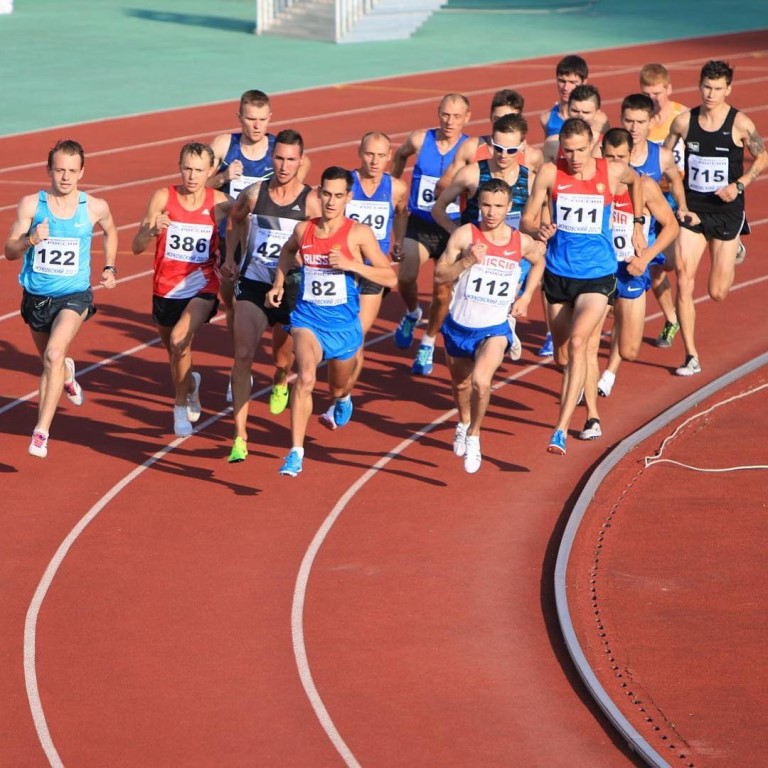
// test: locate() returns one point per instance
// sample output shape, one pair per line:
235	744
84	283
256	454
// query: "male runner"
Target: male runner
332	252
715	134
435	150
380	201
580	275
633	276
183	220
570	72
244	158
52	232
482	264
263	219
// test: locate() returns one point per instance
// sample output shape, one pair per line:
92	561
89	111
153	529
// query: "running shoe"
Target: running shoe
557	443
193	399
515	348
342	411
327	419
39	445
278	399
548	348
460	439
472	458
292	464
182	426
239	451
689	367
605	385
591	430
668	333
404	332
71	388
422	365
741	252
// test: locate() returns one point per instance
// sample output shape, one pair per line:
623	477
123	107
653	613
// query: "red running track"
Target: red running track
167	631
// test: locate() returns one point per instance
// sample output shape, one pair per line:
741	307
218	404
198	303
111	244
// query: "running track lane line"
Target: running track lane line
596	690
300	590
297	611
33	612
362	110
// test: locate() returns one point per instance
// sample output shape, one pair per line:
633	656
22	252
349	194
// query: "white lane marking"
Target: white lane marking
324	116
300	590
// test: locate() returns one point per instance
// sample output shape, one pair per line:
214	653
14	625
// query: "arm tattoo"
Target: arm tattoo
755	144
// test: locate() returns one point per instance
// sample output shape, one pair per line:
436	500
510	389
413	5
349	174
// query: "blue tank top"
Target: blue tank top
555	122
471	212
376	211
253	170
582	246
61	264
430	166
652	165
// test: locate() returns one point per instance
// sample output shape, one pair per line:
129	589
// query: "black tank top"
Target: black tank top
270	226
712	160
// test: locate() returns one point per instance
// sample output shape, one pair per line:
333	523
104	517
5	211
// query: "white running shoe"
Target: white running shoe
605	385
182	426
591	430
472	458
39	445
193	399
689	367
460	439
71	388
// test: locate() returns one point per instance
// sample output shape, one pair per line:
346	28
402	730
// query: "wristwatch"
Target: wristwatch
639	219
739	187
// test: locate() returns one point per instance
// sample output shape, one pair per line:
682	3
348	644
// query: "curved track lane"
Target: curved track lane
165	636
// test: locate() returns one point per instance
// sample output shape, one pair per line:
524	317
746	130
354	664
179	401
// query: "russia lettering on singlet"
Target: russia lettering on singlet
483	293
328	296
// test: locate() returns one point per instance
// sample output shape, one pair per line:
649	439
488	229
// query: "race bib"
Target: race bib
374	213
267	244
622	227
57	256
188	242
236	186
580	214
324	287
426	197
707	174
493	286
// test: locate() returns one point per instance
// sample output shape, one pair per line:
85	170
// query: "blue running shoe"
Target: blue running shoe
404	332
342	411
557	443
548	348
422	365
292	464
